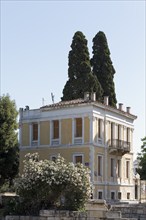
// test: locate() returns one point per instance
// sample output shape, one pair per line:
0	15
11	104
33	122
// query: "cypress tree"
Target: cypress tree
103	67
80	77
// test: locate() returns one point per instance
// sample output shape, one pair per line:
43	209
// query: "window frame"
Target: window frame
99	165
113	193
99	128
118	168
98	194
128	195
53	156
78	155
112	164
78	132
119	197
54	127
35	130
127	166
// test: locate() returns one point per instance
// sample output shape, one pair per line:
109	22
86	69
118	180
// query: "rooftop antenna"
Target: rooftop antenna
52	96
43	101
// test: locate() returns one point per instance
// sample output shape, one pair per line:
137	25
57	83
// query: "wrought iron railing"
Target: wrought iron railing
119	145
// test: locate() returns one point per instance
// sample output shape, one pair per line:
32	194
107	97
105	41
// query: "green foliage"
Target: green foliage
103	68
80	75
8	141
46	184
142	158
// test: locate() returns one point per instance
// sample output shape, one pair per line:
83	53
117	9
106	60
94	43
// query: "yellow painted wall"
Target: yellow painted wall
45	133
66	131
25	134
46	153
86	130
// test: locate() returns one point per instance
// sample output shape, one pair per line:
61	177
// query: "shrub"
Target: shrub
45	184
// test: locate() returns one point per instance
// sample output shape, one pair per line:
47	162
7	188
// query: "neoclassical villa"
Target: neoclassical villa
89	132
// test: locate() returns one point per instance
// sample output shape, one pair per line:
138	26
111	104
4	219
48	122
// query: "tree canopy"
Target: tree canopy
142	161
103	67
8	140
80	76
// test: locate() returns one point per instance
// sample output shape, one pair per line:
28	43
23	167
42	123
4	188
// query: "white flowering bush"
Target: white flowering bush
47	184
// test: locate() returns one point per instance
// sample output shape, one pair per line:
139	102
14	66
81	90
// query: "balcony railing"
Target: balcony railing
119	146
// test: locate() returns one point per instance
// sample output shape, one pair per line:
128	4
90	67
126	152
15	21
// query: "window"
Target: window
112	130
78	159
119	195
119	168
112	134
112	167
55	129
99	128
113	195
53	158
127	168
128	195
35	132
100	195
78	127
128	135
119	130
99	164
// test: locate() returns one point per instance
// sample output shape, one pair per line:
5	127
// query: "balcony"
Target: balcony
119	147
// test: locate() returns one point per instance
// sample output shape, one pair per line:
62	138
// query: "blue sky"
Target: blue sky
35	42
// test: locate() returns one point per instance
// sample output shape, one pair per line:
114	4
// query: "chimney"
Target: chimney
128	109
86	96
26	107
20	113
93	96
121	106
106	100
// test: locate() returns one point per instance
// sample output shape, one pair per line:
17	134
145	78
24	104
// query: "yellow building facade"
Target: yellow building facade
86	131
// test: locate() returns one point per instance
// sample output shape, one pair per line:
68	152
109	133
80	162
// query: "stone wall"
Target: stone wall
137	211
68	215
95	211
